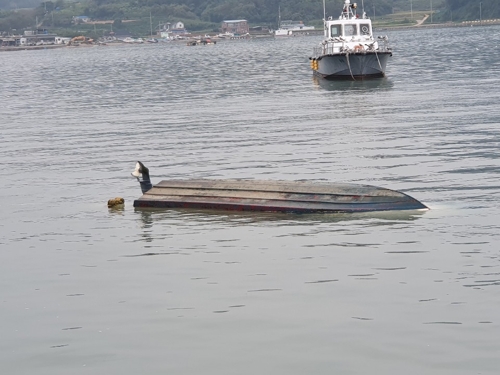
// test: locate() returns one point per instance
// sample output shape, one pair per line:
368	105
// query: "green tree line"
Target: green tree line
18	4
207	14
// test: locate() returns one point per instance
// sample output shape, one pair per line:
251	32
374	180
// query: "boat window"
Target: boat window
335	31
365	28
350	29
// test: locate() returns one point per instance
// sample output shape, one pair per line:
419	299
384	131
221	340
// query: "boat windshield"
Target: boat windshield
365	28
334	31
350	29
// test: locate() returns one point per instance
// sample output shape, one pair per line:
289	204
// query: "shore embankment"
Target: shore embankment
422	25
30	48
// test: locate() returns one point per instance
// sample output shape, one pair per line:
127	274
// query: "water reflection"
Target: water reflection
375	84
146	218
150	215
117	210
147	221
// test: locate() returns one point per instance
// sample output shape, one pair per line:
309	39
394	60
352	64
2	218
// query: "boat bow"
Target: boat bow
349	49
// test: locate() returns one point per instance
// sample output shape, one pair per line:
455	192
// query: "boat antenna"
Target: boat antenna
363	8
325	31
151	24
279	16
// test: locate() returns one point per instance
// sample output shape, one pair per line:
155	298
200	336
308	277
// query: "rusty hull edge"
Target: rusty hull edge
410	204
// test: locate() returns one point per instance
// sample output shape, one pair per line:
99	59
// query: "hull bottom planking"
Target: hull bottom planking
275	196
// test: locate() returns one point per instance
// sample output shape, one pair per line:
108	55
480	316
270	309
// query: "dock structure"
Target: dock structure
275	196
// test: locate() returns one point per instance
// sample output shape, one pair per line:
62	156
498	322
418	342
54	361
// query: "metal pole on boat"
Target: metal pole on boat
279	17
325	31
151	24
480	15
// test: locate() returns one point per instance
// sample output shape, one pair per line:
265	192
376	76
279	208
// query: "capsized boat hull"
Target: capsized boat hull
353	65
275	196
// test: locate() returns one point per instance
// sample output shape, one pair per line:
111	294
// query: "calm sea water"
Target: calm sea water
88	290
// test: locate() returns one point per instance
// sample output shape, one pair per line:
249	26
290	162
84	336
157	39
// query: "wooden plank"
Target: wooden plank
270	205
278	196
253	194
280	186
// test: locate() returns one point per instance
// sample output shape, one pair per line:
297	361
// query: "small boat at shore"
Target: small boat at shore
349	50
292	28
274	196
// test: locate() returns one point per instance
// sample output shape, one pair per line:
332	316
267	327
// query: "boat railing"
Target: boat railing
332	47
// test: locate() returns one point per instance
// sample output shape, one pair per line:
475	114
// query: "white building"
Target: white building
62	40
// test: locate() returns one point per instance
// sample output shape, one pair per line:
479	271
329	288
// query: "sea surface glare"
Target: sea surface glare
89	290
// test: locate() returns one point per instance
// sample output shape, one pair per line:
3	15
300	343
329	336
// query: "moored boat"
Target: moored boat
349	50
292	28
203	41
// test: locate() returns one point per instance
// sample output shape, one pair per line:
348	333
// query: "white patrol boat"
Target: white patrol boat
349	50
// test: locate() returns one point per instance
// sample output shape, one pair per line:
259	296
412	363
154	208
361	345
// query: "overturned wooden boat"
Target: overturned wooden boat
275	196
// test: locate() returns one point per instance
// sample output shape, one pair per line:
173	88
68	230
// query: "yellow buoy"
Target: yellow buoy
116	202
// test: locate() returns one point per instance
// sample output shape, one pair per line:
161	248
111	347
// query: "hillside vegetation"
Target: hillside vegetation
206	15
19	4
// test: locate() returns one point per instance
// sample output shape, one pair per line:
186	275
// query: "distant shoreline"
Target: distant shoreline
29	48
439	25
419	25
